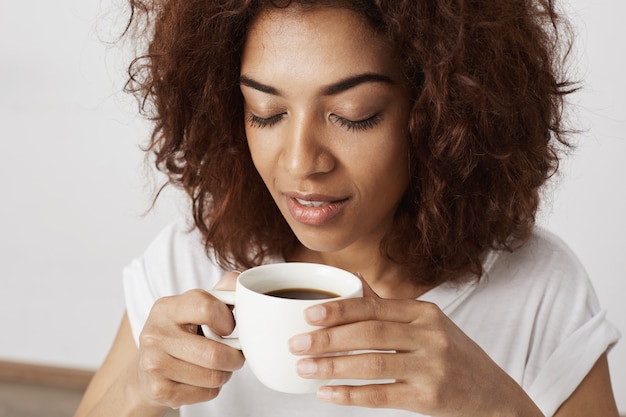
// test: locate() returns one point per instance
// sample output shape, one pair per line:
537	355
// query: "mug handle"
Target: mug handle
227	297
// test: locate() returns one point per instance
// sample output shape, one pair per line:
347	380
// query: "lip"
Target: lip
314	209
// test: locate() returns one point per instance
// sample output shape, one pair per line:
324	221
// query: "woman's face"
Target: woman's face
326	116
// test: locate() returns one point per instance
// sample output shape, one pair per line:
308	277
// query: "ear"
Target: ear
367	290
227	282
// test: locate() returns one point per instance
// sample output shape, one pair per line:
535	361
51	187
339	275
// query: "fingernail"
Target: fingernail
306	367
325	394
300	343
315	313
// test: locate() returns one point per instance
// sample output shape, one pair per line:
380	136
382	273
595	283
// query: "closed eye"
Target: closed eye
355	125
260	122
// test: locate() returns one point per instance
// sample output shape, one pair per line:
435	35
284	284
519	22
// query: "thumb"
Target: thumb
367	290
227	282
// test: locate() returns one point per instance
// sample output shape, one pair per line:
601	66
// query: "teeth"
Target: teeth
307	203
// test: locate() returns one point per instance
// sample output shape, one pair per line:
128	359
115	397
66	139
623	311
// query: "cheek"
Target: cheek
388	170
262	157
254	147
257	156
389	157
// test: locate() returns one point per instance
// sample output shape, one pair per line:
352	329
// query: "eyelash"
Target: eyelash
260	122
351	125
354	126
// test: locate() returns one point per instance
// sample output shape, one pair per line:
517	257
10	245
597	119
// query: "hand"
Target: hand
176	365
437	370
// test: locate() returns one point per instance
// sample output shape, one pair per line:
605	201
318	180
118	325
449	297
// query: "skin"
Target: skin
287	68
329	132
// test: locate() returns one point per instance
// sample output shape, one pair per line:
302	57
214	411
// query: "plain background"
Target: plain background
75	186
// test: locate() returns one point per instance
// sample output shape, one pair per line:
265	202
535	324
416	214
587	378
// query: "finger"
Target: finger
333	313
227	282
187	395
207	353
365	366
196	307
192	348
393	395
167	330
366	335
184	372
174	395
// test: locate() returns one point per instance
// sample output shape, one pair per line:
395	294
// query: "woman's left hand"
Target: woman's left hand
435	369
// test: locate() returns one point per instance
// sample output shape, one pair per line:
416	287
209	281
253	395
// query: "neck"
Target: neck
388	279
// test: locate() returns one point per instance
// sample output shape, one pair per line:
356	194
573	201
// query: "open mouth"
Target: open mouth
315	210
312	203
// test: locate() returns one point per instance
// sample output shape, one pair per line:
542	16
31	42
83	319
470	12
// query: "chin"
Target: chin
320	241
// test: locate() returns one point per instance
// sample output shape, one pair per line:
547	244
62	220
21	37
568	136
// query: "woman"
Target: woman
404	141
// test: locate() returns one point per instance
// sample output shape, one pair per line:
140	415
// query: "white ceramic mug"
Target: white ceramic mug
265	323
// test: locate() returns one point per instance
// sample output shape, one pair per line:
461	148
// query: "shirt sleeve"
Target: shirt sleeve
570	362
173	263
571	332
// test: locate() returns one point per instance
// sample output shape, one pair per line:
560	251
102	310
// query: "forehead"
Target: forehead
310	40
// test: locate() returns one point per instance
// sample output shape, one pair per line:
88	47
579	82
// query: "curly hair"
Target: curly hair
486	123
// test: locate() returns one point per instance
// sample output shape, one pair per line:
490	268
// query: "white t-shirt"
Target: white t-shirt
534	312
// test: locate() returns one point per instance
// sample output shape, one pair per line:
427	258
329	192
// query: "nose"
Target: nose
305	152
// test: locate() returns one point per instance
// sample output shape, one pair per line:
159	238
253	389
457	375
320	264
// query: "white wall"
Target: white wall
74	185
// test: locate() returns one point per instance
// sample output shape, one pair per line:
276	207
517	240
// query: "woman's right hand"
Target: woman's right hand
176	366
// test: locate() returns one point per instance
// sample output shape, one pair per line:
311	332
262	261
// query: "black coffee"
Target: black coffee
302	294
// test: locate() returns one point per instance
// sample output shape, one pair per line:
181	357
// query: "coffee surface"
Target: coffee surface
302	294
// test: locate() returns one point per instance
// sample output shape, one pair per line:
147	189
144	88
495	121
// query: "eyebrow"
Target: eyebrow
332	89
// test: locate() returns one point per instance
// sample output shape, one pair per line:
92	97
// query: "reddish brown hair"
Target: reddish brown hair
488	93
